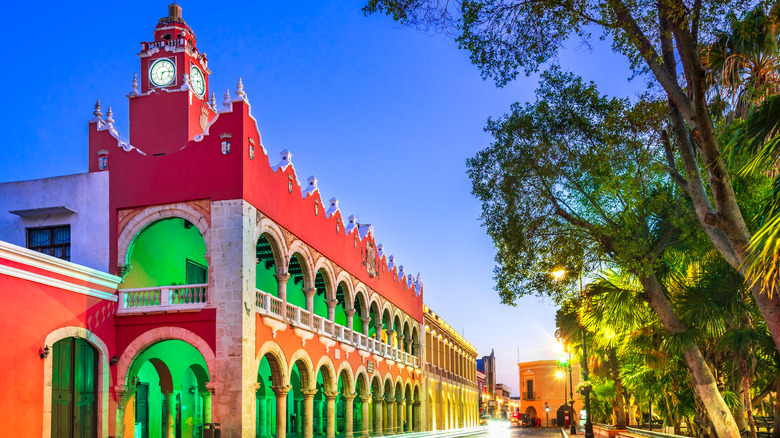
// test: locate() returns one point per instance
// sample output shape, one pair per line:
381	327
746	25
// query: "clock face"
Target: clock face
197	81
162	72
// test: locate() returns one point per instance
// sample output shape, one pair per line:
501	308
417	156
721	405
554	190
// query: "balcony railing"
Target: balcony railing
528	395
189	297
272	306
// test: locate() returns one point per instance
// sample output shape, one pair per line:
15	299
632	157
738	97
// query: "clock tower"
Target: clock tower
169	105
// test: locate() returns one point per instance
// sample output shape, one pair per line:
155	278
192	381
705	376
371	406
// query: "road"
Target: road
501	429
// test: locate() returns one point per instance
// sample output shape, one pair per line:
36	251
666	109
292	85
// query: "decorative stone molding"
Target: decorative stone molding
390	362
347	349
274	324
363	354
327	342
281	391
330	395
303	334
378	358
123	394
349	396
309	393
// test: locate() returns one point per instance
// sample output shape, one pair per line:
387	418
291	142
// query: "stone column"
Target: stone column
309	292
308	412
281	409
125	408
400	415
281	288
331	426
415	417
409	416
365	401
365	320
206	406
378	428
378	330
348	414
350	318
390	414
401	345
332	308
390	337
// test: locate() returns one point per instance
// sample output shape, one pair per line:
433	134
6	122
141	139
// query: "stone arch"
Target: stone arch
346	369
376	383
150	215
158	334
308	376
415	342
324	265
329	378
361	296
361	376
278	364
103	374
305	259
349	293
273	234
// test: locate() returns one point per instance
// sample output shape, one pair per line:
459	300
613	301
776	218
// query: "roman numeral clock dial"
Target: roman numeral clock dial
197	81
162	72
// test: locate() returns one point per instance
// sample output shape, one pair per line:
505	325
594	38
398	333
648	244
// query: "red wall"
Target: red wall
31	311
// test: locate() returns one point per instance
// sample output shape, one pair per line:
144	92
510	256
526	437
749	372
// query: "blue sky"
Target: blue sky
384	116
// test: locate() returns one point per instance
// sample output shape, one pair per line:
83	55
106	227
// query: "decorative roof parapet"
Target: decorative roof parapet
391	263
286	161
311	187
352	224
365	230
380	249
334	207
227	104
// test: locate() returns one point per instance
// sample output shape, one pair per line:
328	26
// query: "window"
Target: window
54	241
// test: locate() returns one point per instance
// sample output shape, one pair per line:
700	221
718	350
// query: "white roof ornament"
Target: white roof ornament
213	102
352	224
240	93
311	187
334	207
418	284
286	160
391	263
409	281
134	91
401	275
97	113
109	116
226	103
380	250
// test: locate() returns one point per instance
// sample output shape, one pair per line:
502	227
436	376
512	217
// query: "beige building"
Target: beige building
542	385
449	376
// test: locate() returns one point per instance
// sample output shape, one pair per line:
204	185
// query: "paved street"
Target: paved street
496	429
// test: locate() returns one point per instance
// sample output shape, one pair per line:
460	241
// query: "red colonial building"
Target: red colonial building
189	279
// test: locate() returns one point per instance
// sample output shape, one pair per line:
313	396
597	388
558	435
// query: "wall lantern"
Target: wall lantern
114	360
44	352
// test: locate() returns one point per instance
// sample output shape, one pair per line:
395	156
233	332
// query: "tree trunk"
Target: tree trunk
704	384
776	425
620	411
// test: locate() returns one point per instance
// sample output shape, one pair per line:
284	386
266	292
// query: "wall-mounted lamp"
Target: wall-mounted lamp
114	360
44	352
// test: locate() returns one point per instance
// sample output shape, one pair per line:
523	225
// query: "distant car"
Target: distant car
516	420
483	420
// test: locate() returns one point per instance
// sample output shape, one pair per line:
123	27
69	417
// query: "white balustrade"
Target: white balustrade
163	299
272	306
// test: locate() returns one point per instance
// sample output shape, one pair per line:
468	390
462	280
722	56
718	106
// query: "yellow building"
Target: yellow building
449	376
542	386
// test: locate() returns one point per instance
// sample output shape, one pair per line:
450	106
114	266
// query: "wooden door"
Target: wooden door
142	408
74	389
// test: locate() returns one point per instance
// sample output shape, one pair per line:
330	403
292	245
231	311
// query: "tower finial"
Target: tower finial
213	102
174	10
134	92
109	116
97	112
226	102
240	90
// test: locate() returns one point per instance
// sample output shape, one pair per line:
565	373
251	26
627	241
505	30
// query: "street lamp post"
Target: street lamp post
573	430
547	413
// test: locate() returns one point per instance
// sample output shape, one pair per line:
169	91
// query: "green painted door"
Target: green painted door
142	408
74	389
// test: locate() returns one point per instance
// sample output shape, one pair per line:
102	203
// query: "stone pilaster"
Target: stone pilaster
416	416
232	246
409	417
390	415
125	413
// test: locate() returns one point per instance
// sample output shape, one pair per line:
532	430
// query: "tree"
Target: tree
572	180
505	37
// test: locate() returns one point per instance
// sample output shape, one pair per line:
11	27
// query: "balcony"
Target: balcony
528	395
163	299
269	305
